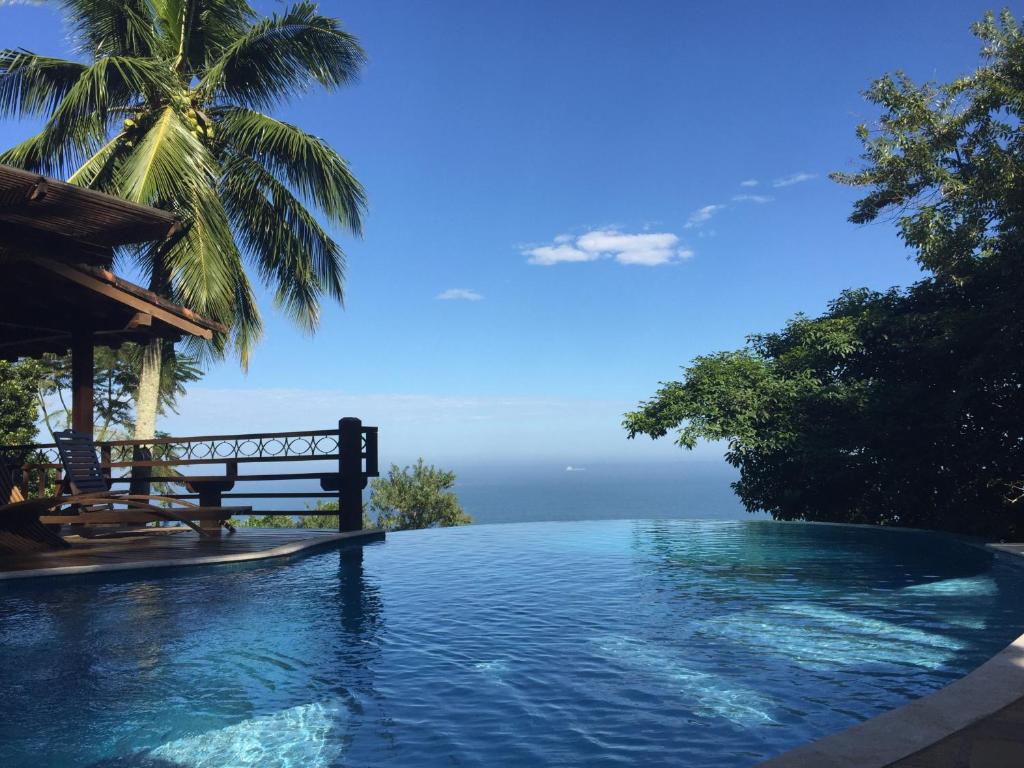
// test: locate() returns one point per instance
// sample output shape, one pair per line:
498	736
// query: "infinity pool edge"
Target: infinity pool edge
289	550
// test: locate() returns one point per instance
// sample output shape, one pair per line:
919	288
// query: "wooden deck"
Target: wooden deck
174	547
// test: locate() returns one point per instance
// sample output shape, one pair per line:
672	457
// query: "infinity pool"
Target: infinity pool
610	643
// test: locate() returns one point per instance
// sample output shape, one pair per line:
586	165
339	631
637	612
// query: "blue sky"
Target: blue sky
603	189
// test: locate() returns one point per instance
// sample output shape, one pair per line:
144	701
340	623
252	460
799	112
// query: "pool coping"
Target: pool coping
290	550
922	723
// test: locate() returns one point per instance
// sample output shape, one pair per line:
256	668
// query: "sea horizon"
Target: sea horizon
599	490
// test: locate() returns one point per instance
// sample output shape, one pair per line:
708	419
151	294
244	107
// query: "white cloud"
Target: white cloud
547	255
653	257
749	183
795	178
701	215
760	199
459	294
649	249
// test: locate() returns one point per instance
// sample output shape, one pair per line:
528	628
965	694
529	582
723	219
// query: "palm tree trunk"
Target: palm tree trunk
148	398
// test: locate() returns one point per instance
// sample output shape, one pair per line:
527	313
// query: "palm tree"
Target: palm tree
169	109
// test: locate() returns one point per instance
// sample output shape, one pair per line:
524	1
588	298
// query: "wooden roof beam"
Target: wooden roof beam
130	300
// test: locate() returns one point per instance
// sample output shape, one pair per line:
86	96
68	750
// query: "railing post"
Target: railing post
350	474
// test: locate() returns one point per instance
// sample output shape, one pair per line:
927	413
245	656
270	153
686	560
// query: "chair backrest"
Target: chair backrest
78	455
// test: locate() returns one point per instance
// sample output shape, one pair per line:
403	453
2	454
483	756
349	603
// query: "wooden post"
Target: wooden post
82	374
350	474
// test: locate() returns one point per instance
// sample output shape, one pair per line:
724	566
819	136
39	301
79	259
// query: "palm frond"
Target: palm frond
284	55
202	263
29	154
205	264
112	27
98	172
290	249
201	268
247	328
316	172
198	31
113	82
53	155
169	163
82	121
34	85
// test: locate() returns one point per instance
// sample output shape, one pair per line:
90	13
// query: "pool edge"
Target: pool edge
292	549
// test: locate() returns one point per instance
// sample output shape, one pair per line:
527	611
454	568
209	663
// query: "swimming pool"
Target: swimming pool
650	642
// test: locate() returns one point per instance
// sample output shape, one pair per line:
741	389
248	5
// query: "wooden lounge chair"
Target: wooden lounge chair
20	529
95	500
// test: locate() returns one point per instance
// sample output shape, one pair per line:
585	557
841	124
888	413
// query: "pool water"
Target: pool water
696	643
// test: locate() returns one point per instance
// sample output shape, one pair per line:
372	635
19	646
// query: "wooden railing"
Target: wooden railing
351	450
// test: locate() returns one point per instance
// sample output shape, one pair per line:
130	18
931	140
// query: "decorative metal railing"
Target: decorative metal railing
303	445
351	446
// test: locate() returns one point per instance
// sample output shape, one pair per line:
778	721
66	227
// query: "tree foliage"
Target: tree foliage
907	406
19	384
116	380
416	497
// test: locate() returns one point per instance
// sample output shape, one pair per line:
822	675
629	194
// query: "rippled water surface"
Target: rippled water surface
610	643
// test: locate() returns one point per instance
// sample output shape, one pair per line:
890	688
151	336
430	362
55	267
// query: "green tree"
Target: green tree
19	383
169	107
416	497
904	407
115	383
945	160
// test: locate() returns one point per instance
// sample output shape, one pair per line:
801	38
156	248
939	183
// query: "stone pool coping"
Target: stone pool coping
922	723
289	550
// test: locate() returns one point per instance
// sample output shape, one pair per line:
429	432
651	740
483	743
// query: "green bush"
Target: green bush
416	497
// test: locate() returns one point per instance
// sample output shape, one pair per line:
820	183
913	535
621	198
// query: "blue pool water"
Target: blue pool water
696	643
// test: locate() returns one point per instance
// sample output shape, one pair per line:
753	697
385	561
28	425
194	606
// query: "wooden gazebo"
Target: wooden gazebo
57	293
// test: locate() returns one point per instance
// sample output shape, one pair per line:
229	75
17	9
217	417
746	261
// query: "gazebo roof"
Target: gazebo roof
40	216
56	242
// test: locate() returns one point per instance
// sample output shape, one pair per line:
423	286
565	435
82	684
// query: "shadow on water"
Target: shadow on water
838	556
829	599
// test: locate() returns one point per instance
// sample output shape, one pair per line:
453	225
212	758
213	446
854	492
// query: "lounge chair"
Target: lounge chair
95	501
20	529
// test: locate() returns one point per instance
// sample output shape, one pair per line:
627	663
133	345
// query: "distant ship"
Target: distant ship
571	468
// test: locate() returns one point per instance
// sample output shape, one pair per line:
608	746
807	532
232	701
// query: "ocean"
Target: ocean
522	493
517	494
